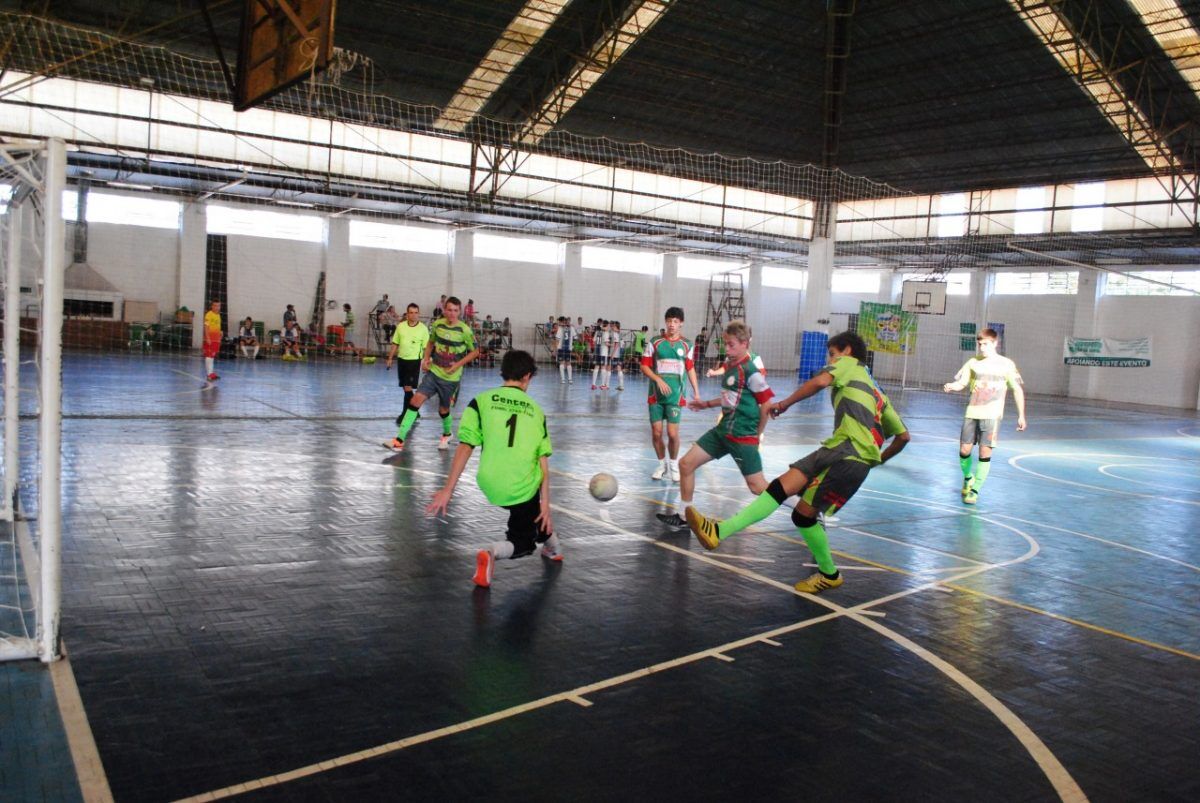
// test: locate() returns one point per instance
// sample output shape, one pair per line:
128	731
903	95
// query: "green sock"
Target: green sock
446	425
965	462
410	415
985	467
753	513
817	541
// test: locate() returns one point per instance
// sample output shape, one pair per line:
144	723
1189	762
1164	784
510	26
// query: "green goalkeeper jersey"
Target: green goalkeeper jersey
511	428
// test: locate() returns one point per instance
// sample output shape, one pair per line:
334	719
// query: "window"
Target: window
952	215
1034	200
1056	283
1088	214
368	234
621	259
6	191
787	278
1119	284
701	268
856	281
107	207
264	223
542	250
958	283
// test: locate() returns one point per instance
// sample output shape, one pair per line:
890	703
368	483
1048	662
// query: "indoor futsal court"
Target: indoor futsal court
274	227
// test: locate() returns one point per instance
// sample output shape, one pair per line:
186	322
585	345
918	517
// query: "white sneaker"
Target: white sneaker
659	472
674	471
444	443
551	554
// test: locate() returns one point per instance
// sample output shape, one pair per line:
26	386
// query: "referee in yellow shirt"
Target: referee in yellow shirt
409	340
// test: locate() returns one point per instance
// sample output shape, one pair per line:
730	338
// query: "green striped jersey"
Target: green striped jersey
450	343
862	414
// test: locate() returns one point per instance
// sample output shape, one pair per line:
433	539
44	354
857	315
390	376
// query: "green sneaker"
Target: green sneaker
966	489
970	497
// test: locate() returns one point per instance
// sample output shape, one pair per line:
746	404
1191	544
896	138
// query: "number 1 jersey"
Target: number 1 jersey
511	428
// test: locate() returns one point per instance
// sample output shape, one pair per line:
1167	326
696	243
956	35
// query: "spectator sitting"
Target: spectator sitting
248	339
291	341
381	306
389	320
469	311
437	309
289	314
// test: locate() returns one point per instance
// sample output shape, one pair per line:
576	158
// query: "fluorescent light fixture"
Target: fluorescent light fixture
296	203
124	185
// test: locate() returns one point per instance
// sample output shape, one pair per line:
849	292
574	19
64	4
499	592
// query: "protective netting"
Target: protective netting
341	203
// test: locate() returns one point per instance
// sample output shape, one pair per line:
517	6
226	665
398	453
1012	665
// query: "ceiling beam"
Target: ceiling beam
1048	20
1175	34
633	23
512	46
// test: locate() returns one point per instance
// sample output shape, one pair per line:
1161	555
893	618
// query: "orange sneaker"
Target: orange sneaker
483	568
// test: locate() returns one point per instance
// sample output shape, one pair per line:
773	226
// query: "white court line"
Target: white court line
851	568
1015	462
903	500
1184	431
89	770
746	558
1144	467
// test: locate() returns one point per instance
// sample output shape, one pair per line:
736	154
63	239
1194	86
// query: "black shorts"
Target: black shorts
408	372
524	532
833	477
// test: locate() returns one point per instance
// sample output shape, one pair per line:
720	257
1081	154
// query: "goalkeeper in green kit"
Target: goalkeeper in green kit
514	468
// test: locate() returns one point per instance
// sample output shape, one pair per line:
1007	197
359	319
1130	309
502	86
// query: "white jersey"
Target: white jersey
614	343
565	335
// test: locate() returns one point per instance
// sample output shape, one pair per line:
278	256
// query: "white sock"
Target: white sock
502	550
208	364
570	373
607	376
595	374
620	378
551	544
562	370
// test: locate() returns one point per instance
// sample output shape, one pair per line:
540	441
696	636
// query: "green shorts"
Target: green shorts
664	411
746	455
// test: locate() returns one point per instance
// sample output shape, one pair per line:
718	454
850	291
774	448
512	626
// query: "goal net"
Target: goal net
32	177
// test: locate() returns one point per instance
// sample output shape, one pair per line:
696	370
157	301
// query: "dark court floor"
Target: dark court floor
255	606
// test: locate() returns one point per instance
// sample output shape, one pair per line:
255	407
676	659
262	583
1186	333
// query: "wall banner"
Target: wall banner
1107	352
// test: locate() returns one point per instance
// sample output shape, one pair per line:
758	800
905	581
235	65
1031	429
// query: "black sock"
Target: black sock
833	576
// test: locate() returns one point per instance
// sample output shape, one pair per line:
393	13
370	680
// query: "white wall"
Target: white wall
1173	377
140	261
266	274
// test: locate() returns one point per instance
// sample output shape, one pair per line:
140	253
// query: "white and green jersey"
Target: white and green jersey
511	428
670	359
743	388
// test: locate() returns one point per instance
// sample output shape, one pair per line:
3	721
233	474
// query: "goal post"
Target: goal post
33	174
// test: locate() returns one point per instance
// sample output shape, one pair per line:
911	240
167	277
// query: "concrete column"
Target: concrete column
754	296
461	273
339	278
571	296
1082	380
189	273
982	282
666	292
817	299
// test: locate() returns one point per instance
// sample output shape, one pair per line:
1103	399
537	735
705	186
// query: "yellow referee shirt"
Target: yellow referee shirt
410	340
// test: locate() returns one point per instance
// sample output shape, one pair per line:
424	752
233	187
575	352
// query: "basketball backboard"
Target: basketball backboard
282	42
927	298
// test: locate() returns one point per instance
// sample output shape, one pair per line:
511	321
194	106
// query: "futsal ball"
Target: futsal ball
368	360
603	486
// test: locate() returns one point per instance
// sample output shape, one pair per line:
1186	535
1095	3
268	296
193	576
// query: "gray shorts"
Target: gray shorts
984	431
834	475
433	385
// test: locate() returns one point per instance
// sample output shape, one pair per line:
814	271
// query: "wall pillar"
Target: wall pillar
189	273
1081	380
